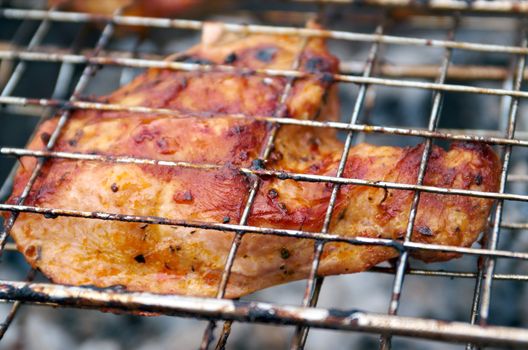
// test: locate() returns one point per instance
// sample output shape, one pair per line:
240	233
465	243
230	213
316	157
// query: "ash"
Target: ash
430	297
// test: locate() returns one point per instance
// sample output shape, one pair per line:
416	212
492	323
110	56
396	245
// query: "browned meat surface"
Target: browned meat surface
189	261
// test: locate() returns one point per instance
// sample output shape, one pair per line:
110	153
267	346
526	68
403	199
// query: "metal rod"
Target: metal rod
20	68
480	136
11	247
314	282
17	73
10	221
475	305
497	6
346	67
482	263
83	81
60	90
210	308
449	274
154	220
14	308
255	184
282	175
258	29
493	239
385	340
142	63
430	71
515	225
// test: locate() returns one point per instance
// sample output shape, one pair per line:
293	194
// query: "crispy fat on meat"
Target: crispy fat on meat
165	259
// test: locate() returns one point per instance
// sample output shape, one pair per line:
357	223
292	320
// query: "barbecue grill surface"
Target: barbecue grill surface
432	75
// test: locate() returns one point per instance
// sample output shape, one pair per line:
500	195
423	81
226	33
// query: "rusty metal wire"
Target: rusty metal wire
207	308
482	136
482	293
499	6
460	72
282	175
484	297
142	63
307	315
434	119
80	86
314	283
267	147
154	220
256	29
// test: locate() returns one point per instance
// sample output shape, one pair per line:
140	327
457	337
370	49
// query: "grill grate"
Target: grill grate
306	315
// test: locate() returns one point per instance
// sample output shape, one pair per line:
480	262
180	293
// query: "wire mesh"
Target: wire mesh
306	315
432	125
453	5
314	283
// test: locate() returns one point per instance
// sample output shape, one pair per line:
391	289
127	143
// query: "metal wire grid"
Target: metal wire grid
452	5
404	257
262	312
80	86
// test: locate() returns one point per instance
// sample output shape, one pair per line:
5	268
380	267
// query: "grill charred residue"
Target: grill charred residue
243	155
341	215
258	314
174	249
50	215
327	79
193	59
75	140
478	179
266	54
315	167
25	293
183	197
273	194
45	137
283	175
145	134
257	164
385	195
282	207
34	293
276	156
140	258
285	253
341	313
163	145
237	130
314	143
231	58
425	230
113	288
317	64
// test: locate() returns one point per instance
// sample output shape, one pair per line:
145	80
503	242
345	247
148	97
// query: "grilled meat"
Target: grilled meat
165	259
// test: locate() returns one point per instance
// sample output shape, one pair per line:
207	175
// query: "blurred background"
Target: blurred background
423	296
